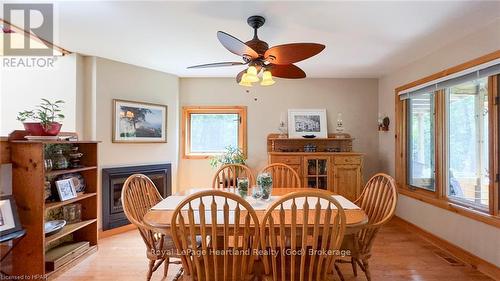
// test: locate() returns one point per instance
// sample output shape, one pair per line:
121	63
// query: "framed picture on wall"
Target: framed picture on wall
307	123
9	220
139	122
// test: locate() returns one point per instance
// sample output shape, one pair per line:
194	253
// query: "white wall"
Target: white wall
22	88
115	80
355	98
476	237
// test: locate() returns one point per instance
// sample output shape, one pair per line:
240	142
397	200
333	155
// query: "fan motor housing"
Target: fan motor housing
258	45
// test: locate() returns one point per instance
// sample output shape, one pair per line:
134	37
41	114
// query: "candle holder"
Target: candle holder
283	130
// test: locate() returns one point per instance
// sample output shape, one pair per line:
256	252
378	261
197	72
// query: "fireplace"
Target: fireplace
112	184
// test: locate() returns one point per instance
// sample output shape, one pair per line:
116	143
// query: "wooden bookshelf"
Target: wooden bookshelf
28	181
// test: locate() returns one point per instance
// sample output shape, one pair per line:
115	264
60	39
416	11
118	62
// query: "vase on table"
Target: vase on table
242	186
265	181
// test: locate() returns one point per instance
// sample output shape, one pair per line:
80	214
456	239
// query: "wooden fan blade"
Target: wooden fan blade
217	64
235	45
289	71
292	53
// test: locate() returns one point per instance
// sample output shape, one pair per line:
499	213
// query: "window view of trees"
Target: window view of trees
212	133
421	141
467	138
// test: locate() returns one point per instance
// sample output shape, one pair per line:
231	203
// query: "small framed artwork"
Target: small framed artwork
66	189
9	219
139	122
308	123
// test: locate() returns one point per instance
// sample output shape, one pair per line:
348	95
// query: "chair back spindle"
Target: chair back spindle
302	243
228	231
227	176
139	195
283	175
378	200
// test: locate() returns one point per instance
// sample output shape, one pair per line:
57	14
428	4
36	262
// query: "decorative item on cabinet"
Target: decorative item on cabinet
66	189
283	129
74	157
383	123
309	148
47	190
47	114
59	161
72	213
77	179
340	124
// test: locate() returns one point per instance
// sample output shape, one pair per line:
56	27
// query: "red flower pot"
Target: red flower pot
36	129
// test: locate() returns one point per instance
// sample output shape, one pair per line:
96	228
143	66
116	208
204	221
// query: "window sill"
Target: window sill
461	210
198	156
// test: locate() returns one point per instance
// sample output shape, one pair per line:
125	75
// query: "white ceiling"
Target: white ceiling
363	39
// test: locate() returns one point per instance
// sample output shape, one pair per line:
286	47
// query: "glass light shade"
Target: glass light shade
244	81
267	79
252	74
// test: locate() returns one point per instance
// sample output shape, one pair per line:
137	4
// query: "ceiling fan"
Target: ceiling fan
277	61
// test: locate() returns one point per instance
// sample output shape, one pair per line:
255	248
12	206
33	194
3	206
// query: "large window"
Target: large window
467	140
448	139
421	141
210	130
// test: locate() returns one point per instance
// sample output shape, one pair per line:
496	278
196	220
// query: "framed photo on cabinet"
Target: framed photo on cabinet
307	123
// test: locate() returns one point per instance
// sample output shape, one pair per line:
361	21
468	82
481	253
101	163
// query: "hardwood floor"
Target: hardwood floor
397	255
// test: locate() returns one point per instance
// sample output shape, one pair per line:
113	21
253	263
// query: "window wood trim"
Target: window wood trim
440	198
186	127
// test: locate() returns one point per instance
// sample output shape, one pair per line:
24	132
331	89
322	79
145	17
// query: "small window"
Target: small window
207	131
467	140
421	142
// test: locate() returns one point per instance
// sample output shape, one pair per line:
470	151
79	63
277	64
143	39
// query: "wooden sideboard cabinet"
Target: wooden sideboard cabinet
333	166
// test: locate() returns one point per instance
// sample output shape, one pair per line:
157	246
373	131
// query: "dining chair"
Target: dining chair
283	175
139	195
227	176
234	223
378	200
302	232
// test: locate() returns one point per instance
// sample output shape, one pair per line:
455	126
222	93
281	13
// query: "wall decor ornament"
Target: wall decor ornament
139	122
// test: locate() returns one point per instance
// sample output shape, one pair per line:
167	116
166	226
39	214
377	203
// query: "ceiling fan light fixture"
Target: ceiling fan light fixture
251	75
267	78
244	81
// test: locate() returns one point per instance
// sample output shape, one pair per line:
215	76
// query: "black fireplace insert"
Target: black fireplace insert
112	184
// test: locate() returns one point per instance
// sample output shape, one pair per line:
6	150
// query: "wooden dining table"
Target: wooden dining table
160	220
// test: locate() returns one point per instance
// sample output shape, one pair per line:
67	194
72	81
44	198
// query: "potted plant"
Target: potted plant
47	114
232	155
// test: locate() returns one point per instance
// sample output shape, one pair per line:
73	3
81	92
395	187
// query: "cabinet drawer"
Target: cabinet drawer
289	160
347	160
